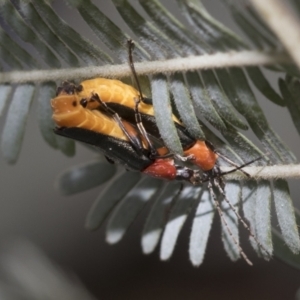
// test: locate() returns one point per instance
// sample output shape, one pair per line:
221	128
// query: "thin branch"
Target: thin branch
207	61
284	22
266	172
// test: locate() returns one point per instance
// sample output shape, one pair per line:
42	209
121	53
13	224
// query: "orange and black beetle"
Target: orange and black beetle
119	140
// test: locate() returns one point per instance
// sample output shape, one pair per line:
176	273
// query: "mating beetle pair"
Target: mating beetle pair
90	120
119	120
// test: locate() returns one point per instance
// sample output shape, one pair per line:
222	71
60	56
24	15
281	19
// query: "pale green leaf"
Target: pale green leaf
109	197
201	227
128	209
156	219
178	215
83	177
14	128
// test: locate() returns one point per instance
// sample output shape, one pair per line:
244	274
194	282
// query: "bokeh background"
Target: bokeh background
32	209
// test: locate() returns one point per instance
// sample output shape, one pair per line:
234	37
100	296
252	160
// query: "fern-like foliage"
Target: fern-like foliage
203	70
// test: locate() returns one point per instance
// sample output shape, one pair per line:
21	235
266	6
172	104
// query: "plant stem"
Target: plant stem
207	61
266	172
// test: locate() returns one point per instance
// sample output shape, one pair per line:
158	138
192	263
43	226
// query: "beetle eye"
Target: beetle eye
79	88
83	102
59	90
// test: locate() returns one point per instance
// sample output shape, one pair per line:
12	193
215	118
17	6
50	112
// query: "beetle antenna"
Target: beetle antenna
220	174
233	163
130	44
237	167
220	212
217	183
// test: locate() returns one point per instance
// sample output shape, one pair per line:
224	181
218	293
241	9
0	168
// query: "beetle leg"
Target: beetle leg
141	128
132	135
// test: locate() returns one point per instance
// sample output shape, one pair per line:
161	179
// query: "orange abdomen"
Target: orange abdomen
67	112
116	91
